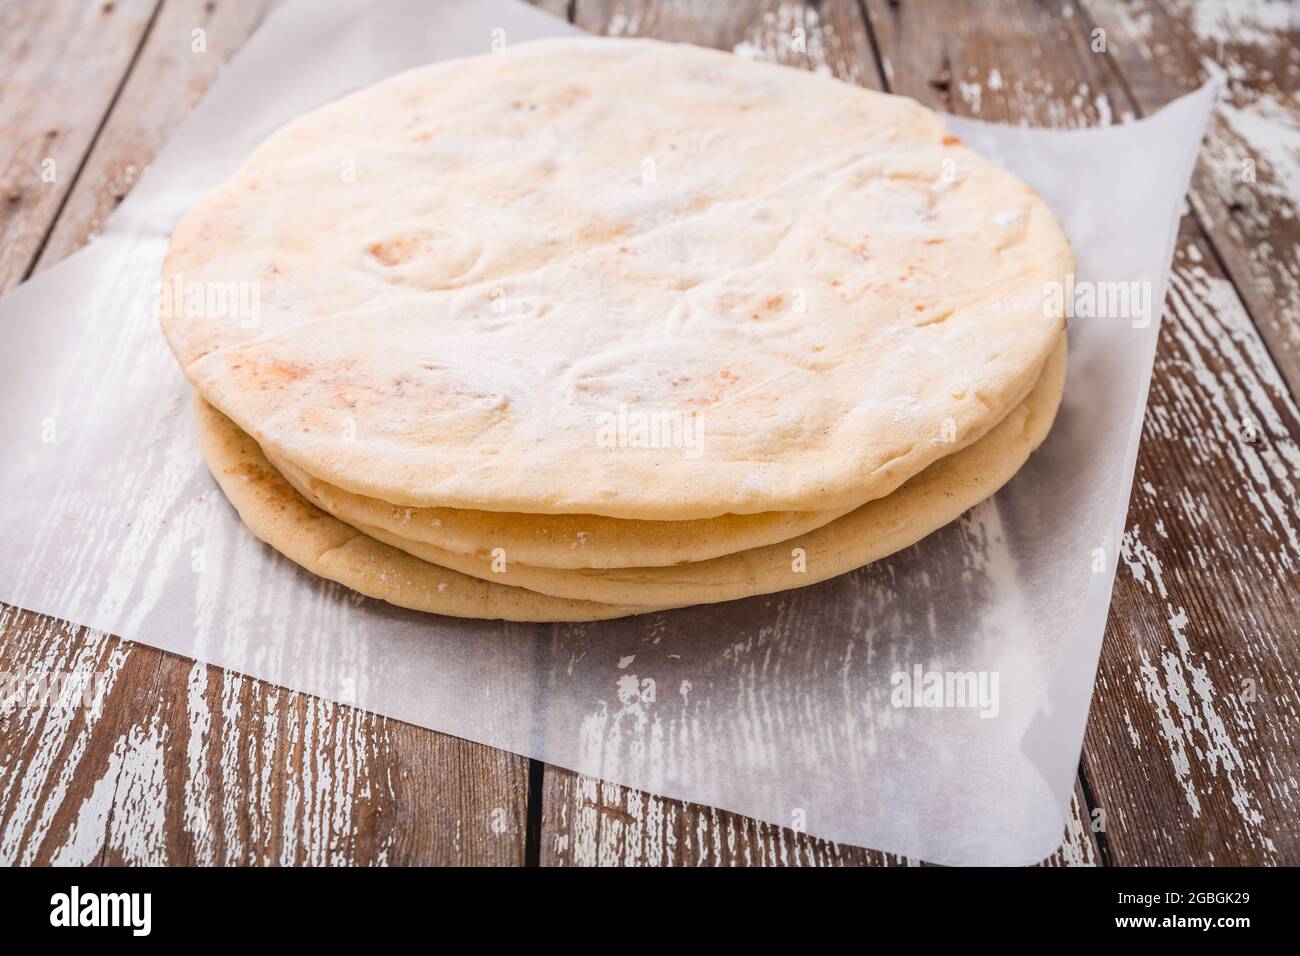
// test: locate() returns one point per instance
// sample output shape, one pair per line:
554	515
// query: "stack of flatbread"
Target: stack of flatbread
589	328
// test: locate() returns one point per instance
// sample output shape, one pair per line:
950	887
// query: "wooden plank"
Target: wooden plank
185	763
1192	745
1013	62
181	763
590	822
166	83
1183	769
827	36
1246	190
62	63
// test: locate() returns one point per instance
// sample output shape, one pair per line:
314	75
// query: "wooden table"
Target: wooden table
1191	750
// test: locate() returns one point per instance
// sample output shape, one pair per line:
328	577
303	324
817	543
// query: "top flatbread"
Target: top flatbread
475	285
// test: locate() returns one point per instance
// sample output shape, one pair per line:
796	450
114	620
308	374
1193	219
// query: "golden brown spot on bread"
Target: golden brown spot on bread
281	370
251	472
393	251
951	141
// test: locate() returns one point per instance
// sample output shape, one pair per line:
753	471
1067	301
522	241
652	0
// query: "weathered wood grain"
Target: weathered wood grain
61	65
1192	742
1246	190
828	37
166	82
590	822
185	763
175	763
1205	598
1011	62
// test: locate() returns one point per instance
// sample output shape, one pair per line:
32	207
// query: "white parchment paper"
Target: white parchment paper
779	707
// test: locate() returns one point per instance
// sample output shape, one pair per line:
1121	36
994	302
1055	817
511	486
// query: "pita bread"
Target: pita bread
928	501
463	297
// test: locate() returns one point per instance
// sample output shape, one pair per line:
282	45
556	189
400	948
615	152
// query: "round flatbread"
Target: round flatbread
278	515
615	277
558	541
924	504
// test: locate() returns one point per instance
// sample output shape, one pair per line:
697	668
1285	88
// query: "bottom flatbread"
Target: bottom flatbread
304	534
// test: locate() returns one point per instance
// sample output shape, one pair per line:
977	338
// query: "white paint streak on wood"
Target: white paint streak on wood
312	755
1255	22
125	811
197	818
1195	715
1252	162
259	766
1033	98
775	34
58	737
1211	319
293	787
624	24
1078	848
333	744
86	840
233	796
